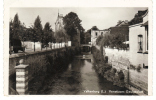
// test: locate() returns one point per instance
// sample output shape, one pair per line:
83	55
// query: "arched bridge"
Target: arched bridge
86	48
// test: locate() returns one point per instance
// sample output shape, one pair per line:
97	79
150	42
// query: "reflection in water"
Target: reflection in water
81	78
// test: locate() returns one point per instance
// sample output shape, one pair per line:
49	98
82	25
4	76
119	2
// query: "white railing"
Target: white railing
60	45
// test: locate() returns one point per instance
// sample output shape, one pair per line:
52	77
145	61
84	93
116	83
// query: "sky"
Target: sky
102	17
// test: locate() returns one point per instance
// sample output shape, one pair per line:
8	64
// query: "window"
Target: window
140	44
96	34
101	33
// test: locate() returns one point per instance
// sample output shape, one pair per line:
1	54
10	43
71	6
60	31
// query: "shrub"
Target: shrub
121	75
132	67
138	68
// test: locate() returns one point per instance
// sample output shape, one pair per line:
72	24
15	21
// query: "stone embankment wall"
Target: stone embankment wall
119	59
41	64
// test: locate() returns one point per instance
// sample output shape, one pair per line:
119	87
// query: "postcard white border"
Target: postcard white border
73	3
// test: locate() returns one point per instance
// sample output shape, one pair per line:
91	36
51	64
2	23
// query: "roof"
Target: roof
122	23
138	18
145	24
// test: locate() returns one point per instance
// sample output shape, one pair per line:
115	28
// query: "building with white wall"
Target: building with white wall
138	42
96	33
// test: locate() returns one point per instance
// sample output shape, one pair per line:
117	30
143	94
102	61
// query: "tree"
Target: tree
94	28
22	30
47	33
10	32
15	27
87	38
72	23
37	29
82	35
61	36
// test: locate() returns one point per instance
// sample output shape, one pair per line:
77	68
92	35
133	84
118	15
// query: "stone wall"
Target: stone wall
120	59
139	79
41	63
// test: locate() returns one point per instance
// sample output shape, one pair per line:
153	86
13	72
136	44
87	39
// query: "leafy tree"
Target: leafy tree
10	32
22	30
72	23
112	40
37	29
87	37
17	30
61	36
47	33
94	28
82	35
15	27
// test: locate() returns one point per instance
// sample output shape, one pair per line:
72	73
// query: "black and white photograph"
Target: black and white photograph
79	51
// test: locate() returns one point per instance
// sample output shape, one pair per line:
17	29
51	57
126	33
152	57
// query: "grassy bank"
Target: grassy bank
106	70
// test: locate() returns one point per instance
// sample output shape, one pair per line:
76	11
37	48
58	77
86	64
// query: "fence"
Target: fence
30	45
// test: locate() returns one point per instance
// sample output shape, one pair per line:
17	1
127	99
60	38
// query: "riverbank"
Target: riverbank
41	65
106	70
116	71
80	78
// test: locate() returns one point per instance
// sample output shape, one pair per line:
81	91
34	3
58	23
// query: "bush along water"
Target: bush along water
104	69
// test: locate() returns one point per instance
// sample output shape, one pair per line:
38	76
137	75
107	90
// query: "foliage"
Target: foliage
37	30
112	41
86	38
48	34
138	68
23	31
16	27
104	69
17	30
72	24
35	33
61	36
99	39
132	67
82	35
93	28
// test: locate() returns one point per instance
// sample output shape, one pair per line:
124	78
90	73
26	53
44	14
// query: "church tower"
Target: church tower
59	22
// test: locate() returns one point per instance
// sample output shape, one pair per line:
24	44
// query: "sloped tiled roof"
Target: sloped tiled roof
138	18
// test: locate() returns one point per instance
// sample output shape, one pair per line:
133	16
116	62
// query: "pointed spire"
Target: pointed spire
58	12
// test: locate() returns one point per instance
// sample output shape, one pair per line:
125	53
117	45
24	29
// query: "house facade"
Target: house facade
96	33
138	42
